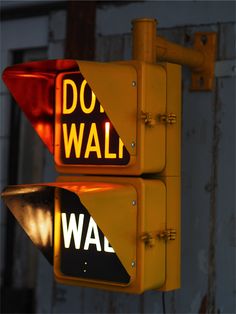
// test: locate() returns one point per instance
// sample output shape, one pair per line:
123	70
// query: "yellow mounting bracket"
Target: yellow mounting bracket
149	47
203	78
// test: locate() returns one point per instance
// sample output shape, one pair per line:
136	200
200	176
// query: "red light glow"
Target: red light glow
33	88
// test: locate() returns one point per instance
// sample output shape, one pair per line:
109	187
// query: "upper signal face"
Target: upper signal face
97	118
84	135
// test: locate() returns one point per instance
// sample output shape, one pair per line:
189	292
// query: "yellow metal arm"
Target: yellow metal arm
149	47
174	53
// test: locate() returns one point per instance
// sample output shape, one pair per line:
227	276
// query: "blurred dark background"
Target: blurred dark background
101	30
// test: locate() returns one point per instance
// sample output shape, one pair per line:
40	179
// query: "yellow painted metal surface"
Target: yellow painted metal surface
174	53
172	176
151	140
115	87
173	131
144	40
203	76
173	247
152	99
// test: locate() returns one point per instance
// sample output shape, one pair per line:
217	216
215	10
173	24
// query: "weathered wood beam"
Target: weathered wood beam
80	34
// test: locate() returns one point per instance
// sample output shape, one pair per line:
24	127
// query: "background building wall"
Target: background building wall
208	159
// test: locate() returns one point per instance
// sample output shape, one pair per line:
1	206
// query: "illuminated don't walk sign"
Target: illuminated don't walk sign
83	250
92	114
84	135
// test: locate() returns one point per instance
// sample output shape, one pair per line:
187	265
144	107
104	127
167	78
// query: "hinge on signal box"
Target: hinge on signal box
149	120
169	118
167	235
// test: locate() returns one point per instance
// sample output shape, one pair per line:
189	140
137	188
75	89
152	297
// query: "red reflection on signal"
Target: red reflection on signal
33	87
88	187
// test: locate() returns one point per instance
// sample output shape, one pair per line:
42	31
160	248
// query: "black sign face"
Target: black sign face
85	133
84	250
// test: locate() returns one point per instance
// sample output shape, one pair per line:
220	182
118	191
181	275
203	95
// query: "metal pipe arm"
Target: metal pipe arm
148	47
174	53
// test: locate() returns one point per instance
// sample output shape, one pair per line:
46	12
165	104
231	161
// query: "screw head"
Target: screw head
134	83
133	144
133	264
134	202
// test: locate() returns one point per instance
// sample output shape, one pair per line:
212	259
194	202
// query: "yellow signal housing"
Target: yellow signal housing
111	119
133	228
133	96
156	132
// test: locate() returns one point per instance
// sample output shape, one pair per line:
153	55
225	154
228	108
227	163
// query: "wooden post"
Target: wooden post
80	34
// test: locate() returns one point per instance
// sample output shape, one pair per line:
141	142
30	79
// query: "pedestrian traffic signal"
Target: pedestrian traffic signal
120	122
